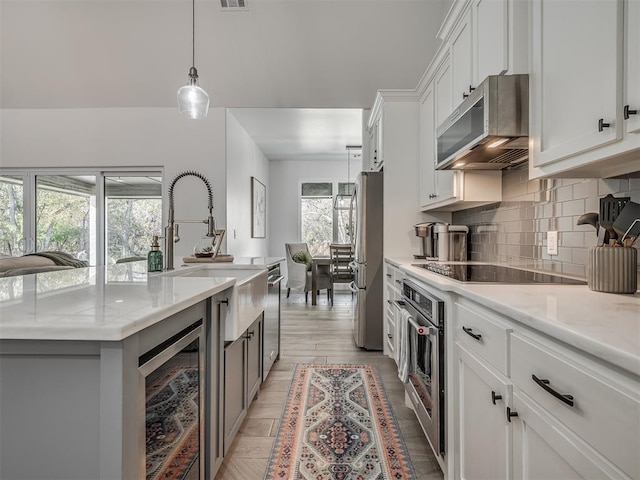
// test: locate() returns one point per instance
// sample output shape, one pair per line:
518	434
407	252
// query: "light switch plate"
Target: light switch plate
552	243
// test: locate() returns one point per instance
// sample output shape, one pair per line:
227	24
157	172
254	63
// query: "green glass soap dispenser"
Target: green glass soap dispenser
154	257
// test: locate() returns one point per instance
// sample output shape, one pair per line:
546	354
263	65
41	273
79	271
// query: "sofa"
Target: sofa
38	263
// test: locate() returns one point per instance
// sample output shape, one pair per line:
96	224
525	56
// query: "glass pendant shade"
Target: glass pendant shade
193	101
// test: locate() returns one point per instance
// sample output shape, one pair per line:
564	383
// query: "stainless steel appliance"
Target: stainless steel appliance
271	326
426	380
489	130
366	205
451	242
487	273
426	231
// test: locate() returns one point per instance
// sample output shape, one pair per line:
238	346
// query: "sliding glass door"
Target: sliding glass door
101	216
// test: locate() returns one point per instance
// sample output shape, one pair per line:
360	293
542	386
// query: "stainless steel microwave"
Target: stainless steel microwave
489	130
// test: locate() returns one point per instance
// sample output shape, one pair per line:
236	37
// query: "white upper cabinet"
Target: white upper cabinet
427	147
463	80
483	37
577	88
448	190
491	34
631	108
374	138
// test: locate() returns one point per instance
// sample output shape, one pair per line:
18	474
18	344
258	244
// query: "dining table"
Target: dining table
315	261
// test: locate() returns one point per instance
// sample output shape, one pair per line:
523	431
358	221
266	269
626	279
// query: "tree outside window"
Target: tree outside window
321	223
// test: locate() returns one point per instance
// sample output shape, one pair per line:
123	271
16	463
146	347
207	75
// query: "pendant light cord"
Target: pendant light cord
193	33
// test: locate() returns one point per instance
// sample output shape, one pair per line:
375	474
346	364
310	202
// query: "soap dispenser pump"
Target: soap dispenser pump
154	257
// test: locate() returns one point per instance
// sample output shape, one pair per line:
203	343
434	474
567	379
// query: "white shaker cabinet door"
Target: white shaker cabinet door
544	449
462	61
491	32
632	87
427	147
482	400
576	77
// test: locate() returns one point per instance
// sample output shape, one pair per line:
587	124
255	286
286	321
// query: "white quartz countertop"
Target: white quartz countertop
96	303
603	324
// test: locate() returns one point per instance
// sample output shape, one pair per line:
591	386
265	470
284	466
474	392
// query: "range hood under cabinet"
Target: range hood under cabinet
489	130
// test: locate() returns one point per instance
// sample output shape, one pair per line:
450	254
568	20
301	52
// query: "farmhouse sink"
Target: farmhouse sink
248	296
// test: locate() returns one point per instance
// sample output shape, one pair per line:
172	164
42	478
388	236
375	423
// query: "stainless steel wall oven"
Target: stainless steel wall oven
426	356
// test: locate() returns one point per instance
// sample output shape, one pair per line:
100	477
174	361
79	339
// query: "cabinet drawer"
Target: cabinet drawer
484	335
394	277
605	412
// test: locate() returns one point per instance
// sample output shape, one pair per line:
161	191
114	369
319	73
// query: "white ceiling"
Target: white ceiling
292	54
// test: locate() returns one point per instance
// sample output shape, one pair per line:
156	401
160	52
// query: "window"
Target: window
99	216
133	214
11	215
316	208
65	213
321	223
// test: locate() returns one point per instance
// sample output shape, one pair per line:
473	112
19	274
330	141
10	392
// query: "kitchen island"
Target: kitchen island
80	352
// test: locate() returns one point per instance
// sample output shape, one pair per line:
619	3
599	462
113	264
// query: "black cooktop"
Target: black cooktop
483	273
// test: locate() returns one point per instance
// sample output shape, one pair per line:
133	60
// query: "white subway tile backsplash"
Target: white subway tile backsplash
530	209
573	207
609	185
564	193
586	189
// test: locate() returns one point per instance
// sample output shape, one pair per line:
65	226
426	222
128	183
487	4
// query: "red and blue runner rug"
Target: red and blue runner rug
338	425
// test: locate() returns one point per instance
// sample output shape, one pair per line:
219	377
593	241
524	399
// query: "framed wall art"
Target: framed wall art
258	209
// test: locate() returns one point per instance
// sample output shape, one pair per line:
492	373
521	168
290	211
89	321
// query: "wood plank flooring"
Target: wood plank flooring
317	334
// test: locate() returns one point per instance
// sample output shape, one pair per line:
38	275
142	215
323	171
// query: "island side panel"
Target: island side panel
49	410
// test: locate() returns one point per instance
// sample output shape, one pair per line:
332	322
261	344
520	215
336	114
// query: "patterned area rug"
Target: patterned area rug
338	425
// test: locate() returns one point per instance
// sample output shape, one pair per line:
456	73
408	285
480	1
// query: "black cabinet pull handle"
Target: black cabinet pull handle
544	383
465	95
398	282
602	125
471	89
225	301
469	331
495	397
510	414
389	335
626	112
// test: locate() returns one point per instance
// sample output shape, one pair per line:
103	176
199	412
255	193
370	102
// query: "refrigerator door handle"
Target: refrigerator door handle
352	287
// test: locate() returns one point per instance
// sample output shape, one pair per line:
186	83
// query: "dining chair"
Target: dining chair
299	274
341	257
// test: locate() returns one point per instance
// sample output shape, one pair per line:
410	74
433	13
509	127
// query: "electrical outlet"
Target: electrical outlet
552	243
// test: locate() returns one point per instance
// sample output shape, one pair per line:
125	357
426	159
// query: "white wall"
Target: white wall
244	160
283	197
126	137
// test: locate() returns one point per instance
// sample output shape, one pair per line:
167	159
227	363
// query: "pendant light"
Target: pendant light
193	101
343	200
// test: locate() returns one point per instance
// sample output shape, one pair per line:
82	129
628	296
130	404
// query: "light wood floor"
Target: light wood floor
316	334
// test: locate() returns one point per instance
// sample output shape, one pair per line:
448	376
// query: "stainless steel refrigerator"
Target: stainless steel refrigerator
367	265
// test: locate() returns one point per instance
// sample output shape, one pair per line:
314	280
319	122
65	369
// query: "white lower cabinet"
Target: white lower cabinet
393	292
528	406
544	449
484	438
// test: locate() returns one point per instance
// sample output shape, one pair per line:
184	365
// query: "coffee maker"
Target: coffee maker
426	231
442	242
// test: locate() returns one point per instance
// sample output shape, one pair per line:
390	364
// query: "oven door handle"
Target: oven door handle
420	329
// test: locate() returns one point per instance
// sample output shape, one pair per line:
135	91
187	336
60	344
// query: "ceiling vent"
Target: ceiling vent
233	5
